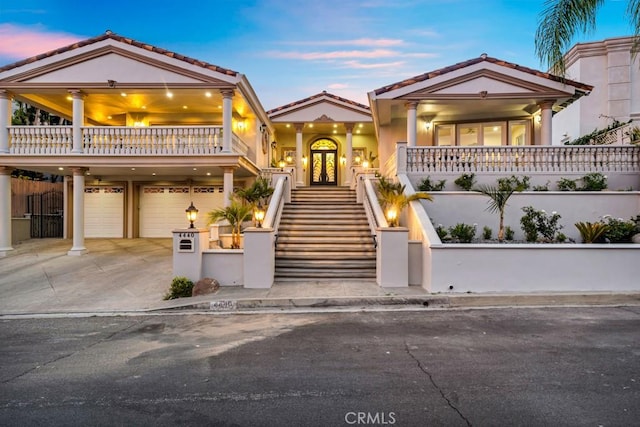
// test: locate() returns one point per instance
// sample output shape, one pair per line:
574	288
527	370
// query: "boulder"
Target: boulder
205	286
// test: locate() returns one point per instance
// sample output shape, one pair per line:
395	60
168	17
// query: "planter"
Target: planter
226	239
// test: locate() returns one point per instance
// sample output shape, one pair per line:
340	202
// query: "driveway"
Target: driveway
116	274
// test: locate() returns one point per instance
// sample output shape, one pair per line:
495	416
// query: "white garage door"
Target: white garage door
162	208
104	211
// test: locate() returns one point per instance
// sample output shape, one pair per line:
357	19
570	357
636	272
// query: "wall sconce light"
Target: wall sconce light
357	160
259	214
343	160
289	160
192	214
538	118
305	161
427	125
365	164
392	217
282	163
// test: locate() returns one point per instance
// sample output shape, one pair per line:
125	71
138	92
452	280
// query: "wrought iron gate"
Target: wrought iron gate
46	214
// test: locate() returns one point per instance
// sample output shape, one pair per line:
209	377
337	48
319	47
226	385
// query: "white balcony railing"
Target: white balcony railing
527	159
116	140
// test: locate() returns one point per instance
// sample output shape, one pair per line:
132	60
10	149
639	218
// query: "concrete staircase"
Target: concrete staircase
324	236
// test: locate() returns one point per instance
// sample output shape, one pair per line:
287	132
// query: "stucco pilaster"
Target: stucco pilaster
412	123
5	120
227	116
78	212
545	126
78	120
349	153
299	166
5	210
227	188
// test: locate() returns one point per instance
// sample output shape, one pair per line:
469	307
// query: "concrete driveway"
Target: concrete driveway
117	274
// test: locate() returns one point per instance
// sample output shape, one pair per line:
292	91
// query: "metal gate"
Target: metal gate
46	214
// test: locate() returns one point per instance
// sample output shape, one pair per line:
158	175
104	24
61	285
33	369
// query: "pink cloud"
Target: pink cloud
339	54
338	86
353	42
360	65
22	42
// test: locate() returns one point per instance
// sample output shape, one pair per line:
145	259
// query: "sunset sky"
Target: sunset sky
291	49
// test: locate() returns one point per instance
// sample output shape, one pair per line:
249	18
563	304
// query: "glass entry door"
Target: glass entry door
323	169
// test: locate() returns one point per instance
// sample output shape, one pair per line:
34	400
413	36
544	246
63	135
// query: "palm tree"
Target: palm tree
561	19
393	199
256	195
498	202
236	213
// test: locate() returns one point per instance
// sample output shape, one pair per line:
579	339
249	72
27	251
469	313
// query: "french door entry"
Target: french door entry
324	154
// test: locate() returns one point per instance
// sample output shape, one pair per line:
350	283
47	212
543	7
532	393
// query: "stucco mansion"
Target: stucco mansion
153	131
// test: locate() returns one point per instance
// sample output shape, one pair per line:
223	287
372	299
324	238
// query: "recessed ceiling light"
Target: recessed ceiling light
288	125
144	107
123	94
169	95
195	169
310	125
219	106
208	173
207	94
69	98
360	125
88	173
184	107
358	131
335	126
335	131
154	174
109	117
133	169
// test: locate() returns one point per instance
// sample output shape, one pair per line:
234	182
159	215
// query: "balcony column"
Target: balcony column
412	123
5	210
5	120
227	116
546	114
78	212
78	120
227	188
299	166
349	153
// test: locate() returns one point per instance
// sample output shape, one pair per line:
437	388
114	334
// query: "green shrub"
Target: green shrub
466	181
566	184
180	287
514	183
594	182
486	233
443	234
544	187
508	233
591	232
463	233
427	185
535	222
618	230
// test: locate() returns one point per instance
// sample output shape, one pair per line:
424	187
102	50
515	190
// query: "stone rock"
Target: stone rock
635	238
205	286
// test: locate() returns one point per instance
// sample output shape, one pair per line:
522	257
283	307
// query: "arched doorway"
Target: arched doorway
323	170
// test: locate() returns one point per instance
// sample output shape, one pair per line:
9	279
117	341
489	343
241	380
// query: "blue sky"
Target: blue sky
291	49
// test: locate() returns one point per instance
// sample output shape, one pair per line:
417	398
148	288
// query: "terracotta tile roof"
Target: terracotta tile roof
113	36
483	57
319	95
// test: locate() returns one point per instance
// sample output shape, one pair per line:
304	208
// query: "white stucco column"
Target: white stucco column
412	123
299	166
78	120
5	210
349	153
227	188
546	115
227	116
78	212
5	120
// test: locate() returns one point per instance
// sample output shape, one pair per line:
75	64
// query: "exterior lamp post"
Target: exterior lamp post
192	214
258	214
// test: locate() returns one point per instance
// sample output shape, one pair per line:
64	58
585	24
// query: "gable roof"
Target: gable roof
110	35
317	97
483	58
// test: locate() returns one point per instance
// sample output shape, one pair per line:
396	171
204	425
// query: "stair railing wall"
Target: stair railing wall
274	212
372	207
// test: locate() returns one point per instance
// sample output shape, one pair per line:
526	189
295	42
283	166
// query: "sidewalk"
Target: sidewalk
133	275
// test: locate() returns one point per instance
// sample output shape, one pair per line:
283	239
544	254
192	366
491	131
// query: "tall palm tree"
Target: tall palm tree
498	202
561	19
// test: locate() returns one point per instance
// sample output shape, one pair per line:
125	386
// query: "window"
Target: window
490	134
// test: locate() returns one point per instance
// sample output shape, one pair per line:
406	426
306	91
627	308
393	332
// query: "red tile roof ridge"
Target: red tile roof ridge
318	95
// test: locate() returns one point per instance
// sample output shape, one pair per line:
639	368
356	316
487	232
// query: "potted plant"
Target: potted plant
235	214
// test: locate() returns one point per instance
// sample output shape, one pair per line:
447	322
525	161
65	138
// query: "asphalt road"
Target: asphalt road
502	367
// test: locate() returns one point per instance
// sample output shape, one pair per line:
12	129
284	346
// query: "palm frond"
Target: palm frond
633	10
558	23
498	197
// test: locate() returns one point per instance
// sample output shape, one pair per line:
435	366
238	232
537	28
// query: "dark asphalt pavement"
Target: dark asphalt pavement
494	367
